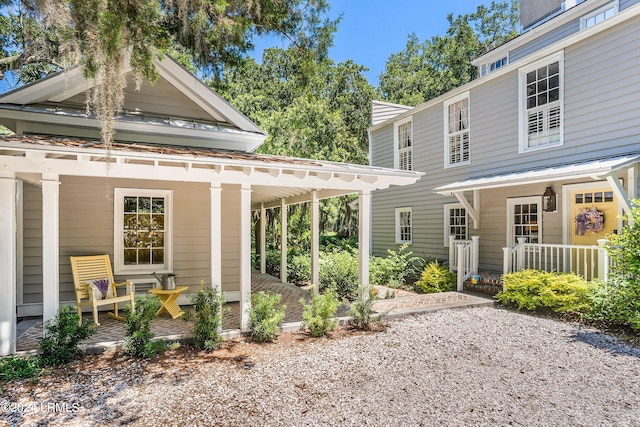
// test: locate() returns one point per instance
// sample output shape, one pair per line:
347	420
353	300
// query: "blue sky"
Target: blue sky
371	30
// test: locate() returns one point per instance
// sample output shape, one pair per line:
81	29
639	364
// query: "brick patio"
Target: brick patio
110	332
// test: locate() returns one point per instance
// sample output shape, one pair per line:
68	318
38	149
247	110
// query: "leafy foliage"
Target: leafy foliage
299	269
425	70
436	278
206	317
618	301
138	337
361	310
318	315
339	272
62	335
393	270
14	368
265	316
533	289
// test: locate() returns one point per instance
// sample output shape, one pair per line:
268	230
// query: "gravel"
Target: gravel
474	366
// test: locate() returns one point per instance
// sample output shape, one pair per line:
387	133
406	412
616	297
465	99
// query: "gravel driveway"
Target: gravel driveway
475	366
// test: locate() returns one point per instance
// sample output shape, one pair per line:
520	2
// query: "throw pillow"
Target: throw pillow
102	289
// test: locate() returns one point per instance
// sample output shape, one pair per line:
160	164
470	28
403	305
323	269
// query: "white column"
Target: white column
315	240
364	225
7	263
283	241
632	176
245	255
216	236
263	239
50	245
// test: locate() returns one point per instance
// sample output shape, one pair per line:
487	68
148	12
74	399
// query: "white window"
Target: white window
456	222
541	104
404	225
524	220
403	139
599	15
492	66
457	126
142	235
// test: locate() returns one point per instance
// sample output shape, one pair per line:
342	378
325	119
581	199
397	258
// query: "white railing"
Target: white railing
463	258
590	262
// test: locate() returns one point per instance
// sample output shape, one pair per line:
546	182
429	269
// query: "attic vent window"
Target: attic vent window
599	15
490	67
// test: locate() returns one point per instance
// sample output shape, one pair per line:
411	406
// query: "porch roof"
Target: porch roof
596	169
271	177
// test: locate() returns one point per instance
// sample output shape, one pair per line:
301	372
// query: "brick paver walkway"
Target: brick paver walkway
110	332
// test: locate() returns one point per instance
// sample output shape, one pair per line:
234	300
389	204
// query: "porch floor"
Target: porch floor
110	333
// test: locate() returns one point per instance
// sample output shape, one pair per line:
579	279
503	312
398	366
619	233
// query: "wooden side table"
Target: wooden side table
168	300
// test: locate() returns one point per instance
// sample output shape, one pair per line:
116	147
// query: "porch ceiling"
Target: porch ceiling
595	169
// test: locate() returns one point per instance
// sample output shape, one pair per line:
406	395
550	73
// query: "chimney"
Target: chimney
533	12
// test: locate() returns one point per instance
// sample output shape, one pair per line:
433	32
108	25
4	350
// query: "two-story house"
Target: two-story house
533	162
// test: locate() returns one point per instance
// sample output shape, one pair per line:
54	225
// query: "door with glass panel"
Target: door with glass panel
524	220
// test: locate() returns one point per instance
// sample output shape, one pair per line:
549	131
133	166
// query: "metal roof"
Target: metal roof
597	168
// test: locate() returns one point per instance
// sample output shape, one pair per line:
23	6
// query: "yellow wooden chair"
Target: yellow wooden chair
87	270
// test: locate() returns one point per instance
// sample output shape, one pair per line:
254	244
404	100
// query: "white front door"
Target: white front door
524	219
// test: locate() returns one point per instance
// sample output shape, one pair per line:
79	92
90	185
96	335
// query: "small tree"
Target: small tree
138	337
206	317
361	310
62	335
318	316
265	316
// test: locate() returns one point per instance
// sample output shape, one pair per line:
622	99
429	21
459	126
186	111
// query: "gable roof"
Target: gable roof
179	107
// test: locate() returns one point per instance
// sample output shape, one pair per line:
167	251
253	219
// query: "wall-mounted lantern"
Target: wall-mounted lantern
549	200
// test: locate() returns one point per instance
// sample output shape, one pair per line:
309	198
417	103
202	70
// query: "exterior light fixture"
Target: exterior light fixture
549	200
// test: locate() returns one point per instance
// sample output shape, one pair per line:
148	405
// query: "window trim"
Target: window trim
485	67
396	148
447	153
447	216
118	225
615	5
399	211
523	138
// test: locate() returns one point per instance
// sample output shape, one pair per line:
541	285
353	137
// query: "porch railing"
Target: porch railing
590	262
463	259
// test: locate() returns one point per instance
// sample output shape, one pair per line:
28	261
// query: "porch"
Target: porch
110	333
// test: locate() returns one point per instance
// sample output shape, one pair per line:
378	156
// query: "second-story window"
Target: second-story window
404	145
541	100
599	15
457	131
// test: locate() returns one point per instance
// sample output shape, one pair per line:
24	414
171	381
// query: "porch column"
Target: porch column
8	227
263	239
283	241
315	241
364	226
216	236
50	246
245	255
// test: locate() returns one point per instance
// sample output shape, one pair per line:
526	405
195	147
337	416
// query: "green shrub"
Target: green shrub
618	301
318	315
339	271
394	270
206	317
533	289
138	338
62	335
265	316
15	368
436	278
361	310
299	269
